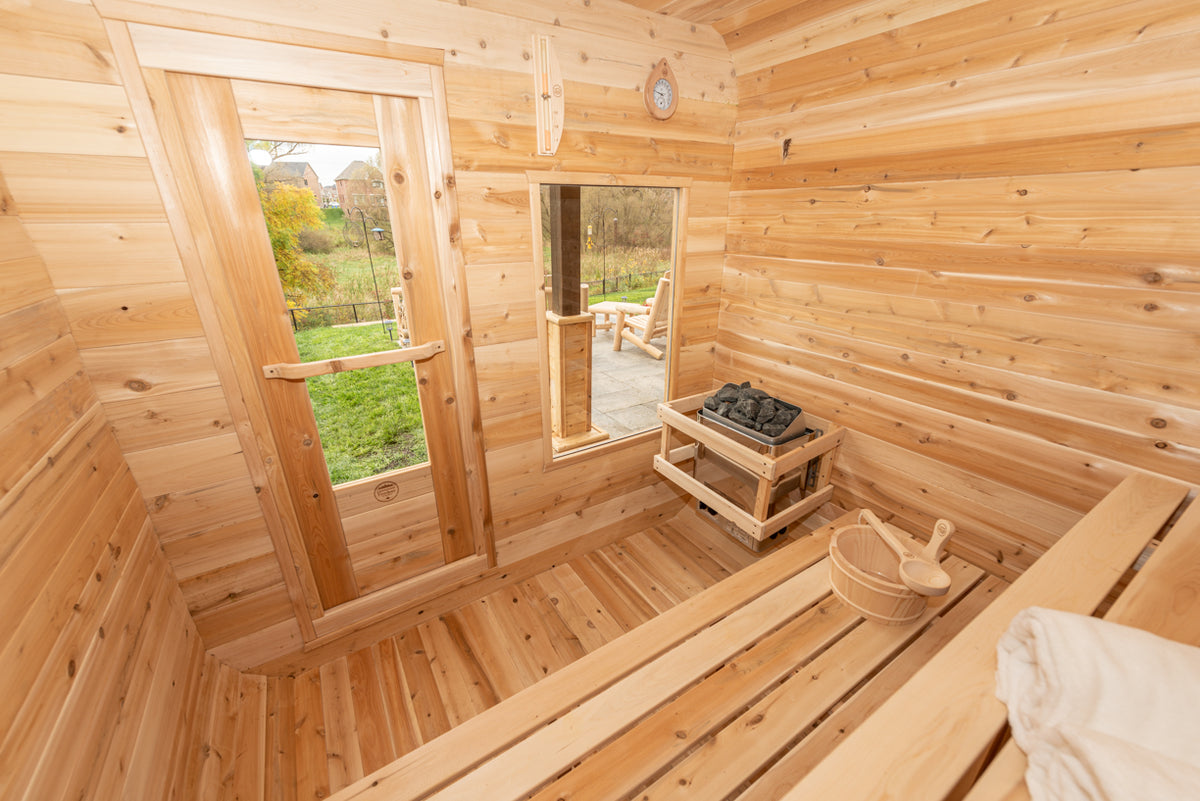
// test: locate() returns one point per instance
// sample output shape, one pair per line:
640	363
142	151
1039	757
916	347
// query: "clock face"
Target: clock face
662	93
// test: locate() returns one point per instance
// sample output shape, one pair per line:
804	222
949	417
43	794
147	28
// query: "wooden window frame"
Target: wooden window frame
539	178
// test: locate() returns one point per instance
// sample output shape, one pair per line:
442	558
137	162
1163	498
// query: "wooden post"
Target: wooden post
569	329
564	250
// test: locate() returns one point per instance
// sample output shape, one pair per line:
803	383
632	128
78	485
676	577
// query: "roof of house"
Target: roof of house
286	170
359	171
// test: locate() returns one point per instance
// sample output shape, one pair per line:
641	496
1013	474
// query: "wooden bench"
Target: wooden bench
750	686
930	739
1163	598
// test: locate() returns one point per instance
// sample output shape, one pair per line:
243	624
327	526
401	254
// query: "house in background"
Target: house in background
360	184
294	173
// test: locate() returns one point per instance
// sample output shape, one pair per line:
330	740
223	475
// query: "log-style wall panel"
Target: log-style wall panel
100	656
76	149
964	231
77	170
55	39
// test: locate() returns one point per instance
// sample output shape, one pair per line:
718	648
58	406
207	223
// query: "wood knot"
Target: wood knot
137	385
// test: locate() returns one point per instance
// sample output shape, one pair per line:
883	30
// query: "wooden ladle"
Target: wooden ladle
920	573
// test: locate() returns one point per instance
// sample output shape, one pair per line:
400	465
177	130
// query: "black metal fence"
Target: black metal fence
340	314
602	285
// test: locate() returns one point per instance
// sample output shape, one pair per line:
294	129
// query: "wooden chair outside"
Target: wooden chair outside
640	324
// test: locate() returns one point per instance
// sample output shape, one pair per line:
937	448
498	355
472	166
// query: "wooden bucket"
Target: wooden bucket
865	574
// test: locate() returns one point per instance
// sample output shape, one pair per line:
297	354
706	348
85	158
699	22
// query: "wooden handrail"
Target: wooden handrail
293	372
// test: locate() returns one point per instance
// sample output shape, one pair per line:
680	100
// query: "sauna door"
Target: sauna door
211	118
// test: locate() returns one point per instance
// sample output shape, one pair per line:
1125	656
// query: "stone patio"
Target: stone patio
627	386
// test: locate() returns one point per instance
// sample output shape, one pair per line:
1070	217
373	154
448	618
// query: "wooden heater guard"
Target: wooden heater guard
767	469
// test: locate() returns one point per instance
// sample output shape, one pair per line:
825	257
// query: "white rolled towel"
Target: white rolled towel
1104	712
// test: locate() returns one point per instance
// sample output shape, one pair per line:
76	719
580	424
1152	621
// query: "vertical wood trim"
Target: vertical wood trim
211	134
245	406
540	303
678	282
435	115
411	209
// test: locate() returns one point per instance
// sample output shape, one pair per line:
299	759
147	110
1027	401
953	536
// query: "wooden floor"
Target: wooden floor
309	735
330	726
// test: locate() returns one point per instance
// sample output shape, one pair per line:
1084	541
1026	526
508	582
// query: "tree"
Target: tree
277	150
289	210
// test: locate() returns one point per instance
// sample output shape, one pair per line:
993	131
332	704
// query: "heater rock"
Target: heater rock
744	412
728	393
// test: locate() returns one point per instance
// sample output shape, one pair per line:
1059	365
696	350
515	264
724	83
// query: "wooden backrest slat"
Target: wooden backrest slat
929	735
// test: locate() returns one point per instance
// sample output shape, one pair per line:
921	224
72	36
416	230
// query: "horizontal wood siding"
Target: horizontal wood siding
79	172
101	660
966	231
77	159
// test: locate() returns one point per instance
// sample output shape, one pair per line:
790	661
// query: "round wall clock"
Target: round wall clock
662	91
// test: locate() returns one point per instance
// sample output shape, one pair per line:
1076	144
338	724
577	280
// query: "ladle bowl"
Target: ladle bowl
920	573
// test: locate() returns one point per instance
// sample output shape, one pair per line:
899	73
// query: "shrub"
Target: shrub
316	240
288	211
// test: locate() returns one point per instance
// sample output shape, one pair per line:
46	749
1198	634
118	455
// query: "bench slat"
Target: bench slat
634	758
526	764
928	736
759	734
800	759
1163	598
435	764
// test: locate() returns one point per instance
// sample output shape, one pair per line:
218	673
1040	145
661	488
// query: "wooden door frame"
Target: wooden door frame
148	53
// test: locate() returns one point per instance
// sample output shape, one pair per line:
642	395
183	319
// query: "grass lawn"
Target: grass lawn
369	420
628	296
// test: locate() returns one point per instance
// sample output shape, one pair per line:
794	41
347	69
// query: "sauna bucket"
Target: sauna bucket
865	574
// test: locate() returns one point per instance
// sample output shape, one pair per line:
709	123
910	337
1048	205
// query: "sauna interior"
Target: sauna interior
964	234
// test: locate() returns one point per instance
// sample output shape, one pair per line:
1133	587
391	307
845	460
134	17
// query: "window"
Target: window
338	269
608	259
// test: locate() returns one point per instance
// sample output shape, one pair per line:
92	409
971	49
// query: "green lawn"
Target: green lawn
369	420
629	296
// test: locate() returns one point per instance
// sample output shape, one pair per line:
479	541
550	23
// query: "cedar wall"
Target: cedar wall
104	688
77	163
969	231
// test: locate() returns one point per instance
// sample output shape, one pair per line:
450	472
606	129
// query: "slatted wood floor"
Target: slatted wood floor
330	726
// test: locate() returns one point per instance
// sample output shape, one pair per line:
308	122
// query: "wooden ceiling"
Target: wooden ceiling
726	16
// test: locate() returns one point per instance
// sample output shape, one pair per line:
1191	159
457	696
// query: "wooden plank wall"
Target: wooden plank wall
76	163
100	662
76	166
968	231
